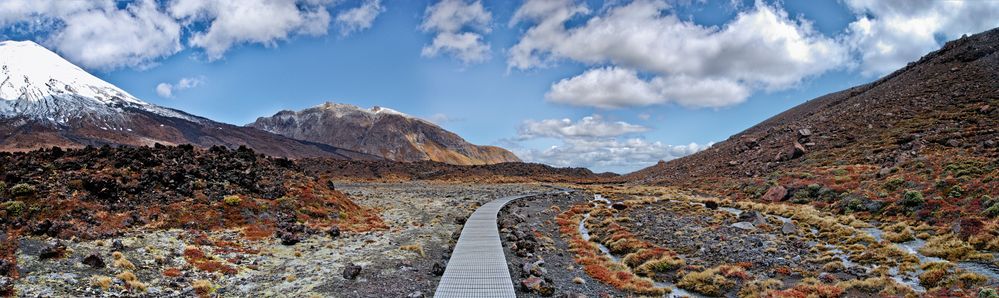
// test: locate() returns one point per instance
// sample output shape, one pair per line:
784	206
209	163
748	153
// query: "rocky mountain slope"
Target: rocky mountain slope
928	130
47	101
382	132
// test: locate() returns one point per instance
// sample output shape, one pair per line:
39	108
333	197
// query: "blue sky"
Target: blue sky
671	77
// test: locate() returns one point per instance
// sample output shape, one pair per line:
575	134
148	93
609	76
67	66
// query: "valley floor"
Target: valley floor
596	241
423	220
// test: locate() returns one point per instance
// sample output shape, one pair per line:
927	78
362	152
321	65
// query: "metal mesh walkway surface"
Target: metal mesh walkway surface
478	266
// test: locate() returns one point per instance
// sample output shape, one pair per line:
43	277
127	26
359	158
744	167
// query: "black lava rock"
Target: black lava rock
351	271
333	232
55	250
117	245
288	238
438	269
94	261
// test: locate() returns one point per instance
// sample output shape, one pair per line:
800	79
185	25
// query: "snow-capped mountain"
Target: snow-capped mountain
380	131
38	84
47	101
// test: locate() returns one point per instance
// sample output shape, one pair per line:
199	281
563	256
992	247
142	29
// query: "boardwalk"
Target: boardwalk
478	266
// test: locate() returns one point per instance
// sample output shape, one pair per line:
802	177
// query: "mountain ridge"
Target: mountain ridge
382	132
47	101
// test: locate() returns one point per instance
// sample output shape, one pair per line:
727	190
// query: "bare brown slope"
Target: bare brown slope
143	128
381	132
947	99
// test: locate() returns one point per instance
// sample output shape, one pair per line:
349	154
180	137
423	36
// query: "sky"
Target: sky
607	85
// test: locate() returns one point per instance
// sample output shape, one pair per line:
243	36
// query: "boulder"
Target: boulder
333	232
94	261
288	238
537	285
804	133
351	271
438	268
619	206
711	205
55	250
798	150
6	266
744	226
775	194
789	228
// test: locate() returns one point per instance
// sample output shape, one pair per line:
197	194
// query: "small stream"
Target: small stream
912	247
585	233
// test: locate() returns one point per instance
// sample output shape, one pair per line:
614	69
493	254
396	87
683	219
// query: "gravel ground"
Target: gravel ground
530	237
423	217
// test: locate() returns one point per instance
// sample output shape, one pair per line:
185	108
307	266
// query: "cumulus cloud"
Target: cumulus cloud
889	34
233	22
761	48
616	87
459	28
97	34
359	18
589	127
608	154
596	143
167	89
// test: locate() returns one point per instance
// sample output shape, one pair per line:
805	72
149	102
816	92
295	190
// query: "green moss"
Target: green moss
14	208
964	169
988	293
955	192
3	187
232	200
840	172
913	198
992	211
894	183
22	190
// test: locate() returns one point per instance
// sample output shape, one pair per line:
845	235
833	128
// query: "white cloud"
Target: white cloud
359	18
233	22
889	34
441	119
608	154
588	127
595	143
167	89
615	87
96	34
761	48
459	28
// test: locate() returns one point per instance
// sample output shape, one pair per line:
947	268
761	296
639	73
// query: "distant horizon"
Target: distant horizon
540	78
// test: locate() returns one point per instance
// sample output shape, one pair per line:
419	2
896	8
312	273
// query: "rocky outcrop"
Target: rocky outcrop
382	132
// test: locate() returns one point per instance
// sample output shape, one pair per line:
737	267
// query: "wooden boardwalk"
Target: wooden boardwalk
478	265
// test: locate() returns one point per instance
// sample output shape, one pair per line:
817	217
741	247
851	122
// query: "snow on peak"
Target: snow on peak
342	108
39	84
378	110
30	71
